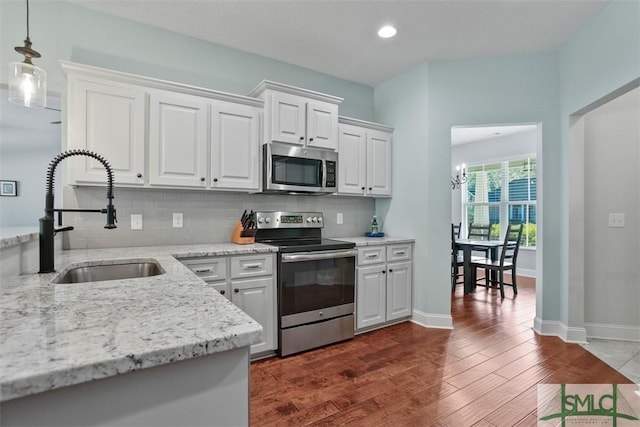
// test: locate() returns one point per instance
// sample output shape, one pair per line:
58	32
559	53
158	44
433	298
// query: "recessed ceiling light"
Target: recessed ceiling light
387	31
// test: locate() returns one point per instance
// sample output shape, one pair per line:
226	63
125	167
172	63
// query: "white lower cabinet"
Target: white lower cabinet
384	282
247	281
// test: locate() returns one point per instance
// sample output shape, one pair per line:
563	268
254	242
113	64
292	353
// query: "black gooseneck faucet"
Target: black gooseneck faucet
47	230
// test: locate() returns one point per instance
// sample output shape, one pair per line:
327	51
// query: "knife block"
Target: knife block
237	238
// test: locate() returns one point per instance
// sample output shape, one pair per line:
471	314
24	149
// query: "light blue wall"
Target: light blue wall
402	103
60	30
601	57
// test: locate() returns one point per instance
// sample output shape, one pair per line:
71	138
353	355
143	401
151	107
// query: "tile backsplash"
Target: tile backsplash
209	217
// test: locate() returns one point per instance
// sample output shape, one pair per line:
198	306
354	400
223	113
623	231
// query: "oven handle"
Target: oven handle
314	256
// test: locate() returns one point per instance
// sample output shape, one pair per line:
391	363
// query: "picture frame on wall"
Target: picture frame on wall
8	188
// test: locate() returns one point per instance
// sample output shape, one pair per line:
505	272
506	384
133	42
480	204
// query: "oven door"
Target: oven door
313	284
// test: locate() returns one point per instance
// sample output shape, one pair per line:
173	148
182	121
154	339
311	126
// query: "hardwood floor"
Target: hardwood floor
484	372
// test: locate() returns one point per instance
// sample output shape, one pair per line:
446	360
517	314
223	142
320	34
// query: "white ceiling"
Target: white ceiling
463	135
338	37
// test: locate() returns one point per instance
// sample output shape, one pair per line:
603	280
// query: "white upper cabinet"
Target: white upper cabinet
378	163
161	134
298	116
287	119
177	140
235	146
364	158
352	164
107	118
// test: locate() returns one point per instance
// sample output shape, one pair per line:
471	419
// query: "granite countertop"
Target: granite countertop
372	241
13	236
55	335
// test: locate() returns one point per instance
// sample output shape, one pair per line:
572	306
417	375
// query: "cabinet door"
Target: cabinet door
177	140
288	119
378	163
256	298
371	306
322	125
352	160
234	146
108	119
398	290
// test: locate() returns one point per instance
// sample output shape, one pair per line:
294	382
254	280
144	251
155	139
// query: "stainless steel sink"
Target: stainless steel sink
110	270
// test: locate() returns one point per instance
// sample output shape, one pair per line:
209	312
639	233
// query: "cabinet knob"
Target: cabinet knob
363	188
301	138
390	270
202	179
310	139
215	179
222	292
370	188
383	271
139	175
236	290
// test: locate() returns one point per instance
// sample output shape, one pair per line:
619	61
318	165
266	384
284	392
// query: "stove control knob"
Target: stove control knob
314	219
267	220
319	219
308	219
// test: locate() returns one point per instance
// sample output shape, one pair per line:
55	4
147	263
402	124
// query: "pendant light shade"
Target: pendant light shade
27	83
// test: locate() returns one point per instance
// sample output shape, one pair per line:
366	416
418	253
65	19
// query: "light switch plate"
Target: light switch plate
136	222
616	220
339	218
177	220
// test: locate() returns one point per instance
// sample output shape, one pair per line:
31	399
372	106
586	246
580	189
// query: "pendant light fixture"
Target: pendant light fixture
27	83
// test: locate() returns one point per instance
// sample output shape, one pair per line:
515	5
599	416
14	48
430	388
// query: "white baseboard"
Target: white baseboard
438	321
612	332
526	272
558	329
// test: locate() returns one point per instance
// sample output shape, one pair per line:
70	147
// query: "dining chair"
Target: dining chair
456	259
456	229
507	261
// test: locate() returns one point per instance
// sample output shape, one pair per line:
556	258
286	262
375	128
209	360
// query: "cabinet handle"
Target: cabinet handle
215	179
383	271
202	179
363	188
301	138
400	253
203	270
310	139
139	175
390	270
236	290
251	266
370	188
222	292
372	256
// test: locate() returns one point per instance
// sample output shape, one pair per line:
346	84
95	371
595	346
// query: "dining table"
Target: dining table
468	246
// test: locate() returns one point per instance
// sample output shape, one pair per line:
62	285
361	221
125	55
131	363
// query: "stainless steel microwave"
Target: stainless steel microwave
290	169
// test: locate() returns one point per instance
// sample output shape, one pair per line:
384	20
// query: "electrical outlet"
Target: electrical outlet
339	218
177	220
136	222
616	220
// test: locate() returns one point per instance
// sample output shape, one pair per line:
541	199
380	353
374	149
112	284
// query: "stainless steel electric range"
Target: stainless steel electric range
316	280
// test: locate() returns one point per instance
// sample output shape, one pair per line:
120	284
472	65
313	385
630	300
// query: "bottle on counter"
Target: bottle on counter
374	225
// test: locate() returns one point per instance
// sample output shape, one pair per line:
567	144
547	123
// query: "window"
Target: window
486	202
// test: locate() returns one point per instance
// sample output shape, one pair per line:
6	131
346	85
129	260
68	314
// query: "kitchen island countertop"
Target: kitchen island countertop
372	241
56	335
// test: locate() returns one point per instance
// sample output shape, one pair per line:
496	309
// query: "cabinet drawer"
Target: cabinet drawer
252	265
371	255
208	269
400	252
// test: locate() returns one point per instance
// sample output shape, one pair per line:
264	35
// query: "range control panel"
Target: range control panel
289	219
